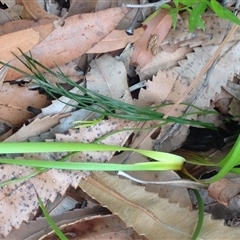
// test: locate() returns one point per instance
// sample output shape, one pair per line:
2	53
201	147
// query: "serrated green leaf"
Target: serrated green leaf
195	17
173	12
188	3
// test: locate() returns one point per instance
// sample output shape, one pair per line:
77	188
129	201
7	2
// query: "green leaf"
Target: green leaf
50	220
200	215
176	2
195	17
188	3
223	12
174	12
166	6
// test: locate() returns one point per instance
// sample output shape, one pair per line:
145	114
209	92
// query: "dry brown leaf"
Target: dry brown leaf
33	10
38	26
171	138
224	191
156	30
77	36
14	103
10	43
117	39
98	227
147	213
18	200
35	128
35	229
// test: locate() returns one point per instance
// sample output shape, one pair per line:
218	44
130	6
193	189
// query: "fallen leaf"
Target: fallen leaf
98	227
35	128
117	39
108	76
77	36
157	27
35	229
147	213
15	101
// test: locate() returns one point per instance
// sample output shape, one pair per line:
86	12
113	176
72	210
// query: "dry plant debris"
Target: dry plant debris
172	66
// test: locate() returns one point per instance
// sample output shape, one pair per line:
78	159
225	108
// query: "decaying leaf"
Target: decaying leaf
98	227
77	36
153	216
19	200
117	39
35	128
35	229
215	30
108	76
15	101
147	46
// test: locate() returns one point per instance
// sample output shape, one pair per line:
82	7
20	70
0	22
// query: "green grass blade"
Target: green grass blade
29	147
107	106
228	163
50	221
200	215
78	166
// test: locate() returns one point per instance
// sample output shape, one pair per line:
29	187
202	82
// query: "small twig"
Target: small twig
131	28
156	4
175	183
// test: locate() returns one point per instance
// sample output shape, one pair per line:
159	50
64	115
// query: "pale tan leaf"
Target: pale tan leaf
9	3
18	200
157	90
214	33
163	60
5	16
174	194
108	76
93	133
65	124
148	214
78	35
35	229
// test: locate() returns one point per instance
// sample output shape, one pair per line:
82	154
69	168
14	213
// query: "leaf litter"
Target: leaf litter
168	64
